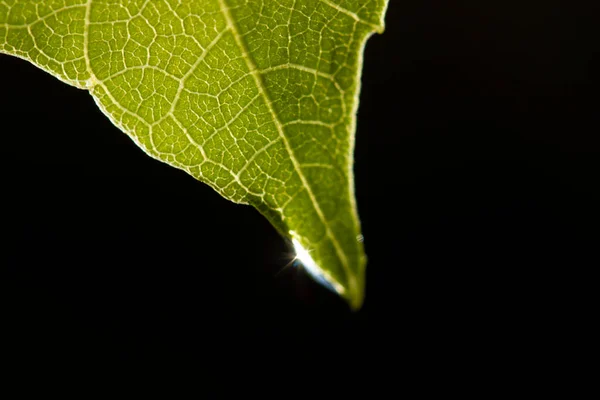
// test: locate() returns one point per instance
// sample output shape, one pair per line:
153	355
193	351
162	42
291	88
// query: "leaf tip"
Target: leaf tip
356	299
355	293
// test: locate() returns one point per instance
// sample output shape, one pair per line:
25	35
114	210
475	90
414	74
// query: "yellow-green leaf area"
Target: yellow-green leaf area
256	98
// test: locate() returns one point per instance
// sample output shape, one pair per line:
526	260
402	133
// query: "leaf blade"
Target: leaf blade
256	99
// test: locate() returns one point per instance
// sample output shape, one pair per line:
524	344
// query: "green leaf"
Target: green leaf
256	98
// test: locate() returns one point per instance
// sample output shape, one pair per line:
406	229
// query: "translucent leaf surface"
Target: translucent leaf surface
256	98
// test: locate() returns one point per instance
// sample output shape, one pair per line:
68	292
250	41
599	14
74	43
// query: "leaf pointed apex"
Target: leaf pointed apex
256	99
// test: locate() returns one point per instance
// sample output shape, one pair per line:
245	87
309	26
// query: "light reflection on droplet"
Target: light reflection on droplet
312	268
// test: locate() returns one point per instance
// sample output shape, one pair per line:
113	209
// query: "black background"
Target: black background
477	167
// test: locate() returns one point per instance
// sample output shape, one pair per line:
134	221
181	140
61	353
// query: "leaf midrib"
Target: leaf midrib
352	285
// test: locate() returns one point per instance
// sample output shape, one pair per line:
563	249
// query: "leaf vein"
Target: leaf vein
280	129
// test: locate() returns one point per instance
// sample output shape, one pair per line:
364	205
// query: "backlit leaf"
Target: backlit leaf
256	98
